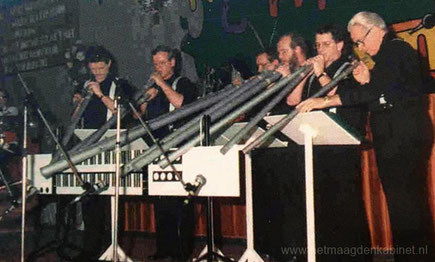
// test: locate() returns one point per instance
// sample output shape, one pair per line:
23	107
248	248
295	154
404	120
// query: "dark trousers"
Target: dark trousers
279	203
174	226
341	226
94	210
402	142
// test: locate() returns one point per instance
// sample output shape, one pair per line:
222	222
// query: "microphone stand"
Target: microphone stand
210	254
114	252
117	178
157	143
192	190
24	179
31	101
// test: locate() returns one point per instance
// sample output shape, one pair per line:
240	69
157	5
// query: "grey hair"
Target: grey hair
367	20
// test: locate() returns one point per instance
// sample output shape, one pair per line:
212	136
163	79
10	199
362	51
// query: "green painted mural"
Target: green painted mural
230	27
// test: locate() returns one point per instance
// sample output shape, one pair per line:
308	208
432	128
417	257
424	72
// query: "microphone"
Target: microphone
194	189
31	191
428	21
95	189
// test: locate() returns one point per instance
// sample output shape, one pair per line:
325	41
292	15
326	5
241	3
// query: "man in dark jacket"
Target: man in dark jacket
402	135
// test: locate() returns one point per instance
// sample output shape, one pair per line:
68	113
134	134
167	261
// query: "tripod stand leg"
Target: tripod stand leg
250	255
216	254
108	254
205	251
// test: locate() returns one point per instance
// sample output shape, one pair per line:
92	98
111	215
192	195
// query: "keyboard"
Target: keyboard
100	168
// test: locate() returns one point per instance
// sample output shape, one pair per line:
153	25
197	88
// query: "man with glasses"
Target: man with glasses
359	43
338	201
402	135
339	209
169	91
173	217
333	53
267	60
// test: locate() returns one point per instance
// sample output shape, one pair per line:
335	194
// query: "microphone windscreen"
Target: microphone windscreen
200	179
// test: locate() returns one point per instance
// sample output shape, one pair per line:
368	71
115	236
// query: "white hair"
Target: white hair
367	20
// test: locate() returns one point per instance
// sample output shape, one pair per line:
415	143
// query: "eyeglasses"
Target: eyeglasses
360	42
162	63
323	44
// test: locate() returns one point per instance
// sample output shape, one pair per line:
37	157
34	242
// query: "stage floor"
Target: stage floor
137	246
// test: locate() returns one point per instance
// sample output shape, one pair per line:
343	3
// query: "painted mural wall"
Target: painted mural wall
420	38
239	28
209	32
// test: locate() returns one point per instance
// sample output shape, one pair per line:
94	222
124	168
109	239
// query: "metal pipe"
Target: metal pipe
98	133
192	127
75	118
285	120
131	135
289	80
299	74
166	118
94	137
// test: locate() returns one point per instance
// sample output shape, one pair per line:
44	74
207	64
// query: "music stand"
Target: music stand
308	129
250	254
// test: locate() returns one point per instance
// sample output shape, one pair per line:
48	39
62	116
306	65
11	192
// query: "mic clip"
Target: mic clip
191	189
90	190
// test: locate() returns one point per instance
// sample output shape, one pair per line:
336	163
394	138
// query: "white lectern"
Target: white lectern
250	254
222	174
318	128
